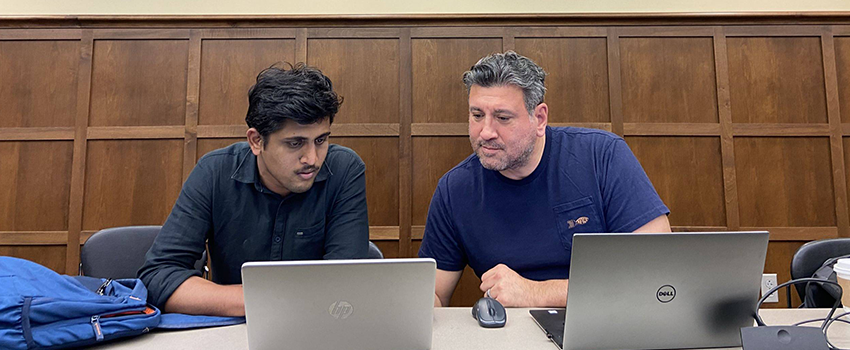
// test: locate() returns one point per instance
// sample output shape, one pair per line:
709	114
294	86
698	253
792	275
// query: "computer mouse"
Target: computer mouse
490	313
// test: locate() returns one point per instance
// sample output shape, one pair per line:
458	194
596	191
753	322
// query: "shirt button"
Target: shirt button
277	239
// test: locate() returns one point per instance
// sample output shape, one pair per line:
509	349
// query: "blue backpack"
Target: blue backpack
40	309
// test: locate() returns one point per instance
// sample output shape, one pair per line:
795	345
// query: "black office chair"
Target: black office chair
808	259
374	252
119	252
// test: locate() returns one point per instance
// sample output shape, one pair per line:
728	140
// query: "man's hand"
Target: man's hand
513	290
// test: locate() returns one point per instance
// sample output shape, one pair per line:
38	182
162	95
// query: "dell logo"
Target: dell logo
666	293
341	310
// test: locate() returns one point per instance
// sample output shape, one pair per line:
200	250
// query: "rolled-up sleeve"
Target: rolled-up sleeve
181	243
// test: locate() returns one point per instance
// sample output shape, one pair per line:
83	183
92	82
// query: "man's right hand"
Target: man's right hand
197	296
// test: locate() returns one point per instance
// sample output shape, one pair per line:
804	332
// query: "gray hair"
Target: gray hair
509	68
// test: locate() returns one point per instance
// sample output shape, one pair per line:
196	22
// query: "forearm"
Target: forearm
550	293
197	296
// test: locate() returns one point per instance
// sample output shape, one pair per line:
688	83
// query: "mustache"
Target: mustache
491	144
307	170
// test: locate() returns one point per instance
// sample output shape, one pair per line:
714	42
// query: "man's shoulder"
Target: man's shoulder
583	135
226	156
462	173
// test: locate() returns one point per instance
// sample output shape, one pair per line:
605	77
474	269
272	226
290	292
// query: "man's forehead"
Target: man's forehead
291	129
506	97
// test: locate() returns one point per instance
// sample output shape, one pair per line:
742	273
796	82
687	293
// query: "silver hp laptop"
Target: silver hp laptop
339	304
658	291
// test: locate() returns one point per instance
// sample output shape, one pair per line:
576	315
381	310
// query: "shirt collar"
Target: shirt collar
246	172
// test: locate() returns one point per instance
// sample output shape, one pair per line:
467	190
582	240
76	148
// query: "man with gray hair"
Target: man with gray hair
510	210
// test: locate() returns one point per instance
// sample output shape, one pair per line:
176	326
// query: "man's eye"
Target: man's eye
320	141
503	119
477	116
294	144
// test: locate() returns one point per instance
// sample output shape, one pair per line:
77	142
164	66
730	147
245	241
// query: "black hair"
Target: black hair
300	93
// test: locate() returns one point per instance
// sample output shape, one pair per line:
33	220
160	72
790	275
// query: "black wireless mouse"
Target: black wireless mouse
489	313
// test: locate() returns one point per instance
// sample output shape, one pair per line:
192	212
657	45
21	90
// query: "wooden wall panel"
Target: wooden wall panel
228	69
439	95
842	64
35	184
657	76
364	72
668	80
208	145
131	182
687	173
53	257
432	158
846	144
138	82
577	84
381	157
778	261
39	83
776	80
388	248
784	182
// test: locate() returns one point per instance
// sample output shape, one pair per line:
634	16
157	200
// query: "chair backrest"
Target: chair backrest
809	258
119	252
374	251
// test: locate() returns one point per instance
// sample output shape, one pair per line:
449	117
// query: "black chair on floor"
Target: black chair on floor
119	252
808	259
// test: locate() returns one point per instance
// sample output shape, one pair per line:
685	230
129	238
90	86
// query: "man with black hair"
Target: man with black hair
285	194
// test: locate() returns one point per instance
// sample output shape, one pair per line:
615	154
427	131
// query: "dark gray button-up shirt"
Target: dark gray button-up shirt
225	204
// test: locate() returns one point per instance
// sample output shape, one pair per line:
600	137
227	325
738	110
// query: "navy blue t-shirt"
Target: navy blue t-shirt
588	181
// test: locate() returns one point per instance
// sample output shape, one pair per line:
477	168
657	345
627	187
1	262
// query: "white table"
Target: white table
454	328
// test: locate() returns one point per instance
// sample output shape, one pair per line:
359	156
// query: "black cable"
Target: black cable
829	323
759	320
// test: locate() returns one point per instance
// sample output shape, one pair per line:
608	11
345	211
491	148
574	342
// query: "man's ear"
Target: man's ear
255	140
541	118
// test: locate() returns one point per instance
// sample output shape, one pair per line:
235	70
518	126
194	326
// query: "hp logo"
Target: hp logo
666	293
340	310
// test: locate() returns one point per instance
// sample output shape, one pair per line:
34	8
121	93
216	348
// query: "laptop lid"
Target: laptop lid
339	304
661	291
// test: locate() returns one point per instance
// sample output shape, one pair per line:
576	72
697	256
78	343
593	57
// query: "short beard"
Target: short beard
519	161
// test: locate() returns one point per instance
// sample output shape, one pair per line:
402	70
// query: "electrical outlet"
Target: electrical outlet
768	282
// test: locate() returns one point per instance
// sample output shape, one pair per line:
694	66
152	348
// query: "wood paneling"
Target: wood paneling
208	145
842	64
577	84
229	68
365	72
688	175
131	182
432	158
35	184
439	95
152	81
381	157
388	248
138	82
846	142
776	80
668	80
53	257
778	261
39	83
784	182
